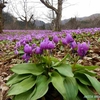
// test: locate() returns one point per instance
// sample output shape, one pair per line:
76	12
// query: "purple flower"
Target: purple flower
44	43
23	41
82	49
28	49
73	44
33	46
28	37
64	41
16	52
51	45
47	44
26	57
55	39
18	44
38	50
69	38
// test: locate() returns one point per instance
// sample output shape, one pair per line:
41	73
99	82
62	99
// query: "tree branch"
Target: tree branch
47	4
21	18
30	18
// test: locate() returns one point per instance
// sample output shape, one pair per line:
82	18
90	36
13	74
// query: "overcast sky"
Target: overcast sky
71	8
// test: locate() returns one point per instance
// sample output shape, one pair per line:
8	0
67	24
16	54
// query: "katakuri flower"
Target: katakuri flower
51	45
64	41
26	57
28	49
55	39
82	48
73	44
69	38
47	44
38	50
44	43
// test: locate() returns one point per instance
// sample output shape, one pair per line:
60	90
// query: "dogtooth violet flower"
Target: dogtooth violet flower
38	50
44	43
26	57
28	38
64	41
16	52
47	44
18	44
51	45
28	49
55	39
33	46
82	48
69	38
73	44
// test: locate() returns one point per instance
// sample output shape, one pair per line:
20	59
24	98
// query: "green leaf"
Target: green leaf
12	77
78	98
24	96
62	61
86	92
71	88
21	52
22	86
85	71
41	87
64	69
79	66
82	78
58	83
27	68
95	83
32	93
91	67
16	78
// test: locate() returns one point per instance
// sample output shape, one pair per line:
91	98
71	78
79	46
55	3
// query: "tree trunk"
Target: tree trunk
58	11
58	22
58	16
1	18
1	27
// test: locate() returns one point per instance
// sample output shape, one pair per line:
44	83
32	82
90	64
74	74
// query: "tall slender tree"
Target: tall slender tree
58	12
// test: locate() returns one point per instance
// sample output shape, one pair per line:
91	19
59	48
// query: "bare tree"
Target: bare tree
2	5
58	12
24	17
27	16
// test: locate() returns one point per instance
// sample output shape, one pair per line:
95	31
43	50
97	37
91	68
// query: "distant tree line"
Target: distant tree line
73	23
10	22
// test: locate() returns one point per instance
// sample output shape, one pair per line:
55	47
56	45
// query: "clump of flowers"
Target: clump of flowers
47	44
